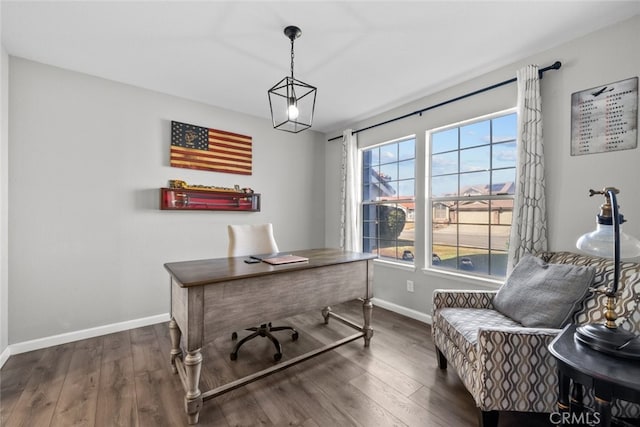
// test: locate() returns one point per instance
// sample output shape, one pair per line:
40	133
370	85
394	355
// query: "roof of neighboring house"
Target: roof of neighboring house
480	205
480	190
381	181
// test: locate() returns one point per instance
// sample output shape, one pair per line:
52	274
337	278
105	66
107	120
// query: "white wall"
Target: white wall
596	59
4	202
88	156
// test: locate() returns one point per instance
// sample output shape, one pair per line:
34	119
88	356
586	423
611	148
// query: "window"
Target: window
472	176
388	200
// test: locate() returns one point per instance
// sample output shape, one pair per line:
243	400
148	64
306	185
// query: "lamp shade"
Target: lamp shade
608	241
601	243
292	104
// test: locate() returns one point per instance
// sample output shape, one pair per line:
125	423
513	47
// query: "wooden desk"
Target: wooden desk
216	296
610	377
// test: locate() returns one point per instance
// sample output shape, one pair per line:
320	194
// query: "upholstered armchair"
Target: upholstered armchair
506	366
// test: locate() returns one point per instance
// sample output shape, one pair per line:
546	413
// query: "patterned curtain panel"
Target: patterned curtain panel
529	223
349	205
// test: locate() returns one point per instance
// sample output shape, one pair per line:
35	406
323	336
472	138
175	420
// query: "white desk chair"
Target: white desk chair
245	240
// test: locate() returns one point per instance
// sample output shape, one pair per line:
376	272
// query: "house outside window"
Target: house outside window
472	173
388	200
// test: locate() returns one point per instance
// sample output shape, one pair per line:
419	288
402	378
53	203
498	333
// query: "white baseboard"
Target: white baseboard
68	337
409	312
4	356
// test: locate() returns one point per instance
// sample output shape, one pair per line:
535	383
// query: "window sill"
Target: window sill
465	278
392	264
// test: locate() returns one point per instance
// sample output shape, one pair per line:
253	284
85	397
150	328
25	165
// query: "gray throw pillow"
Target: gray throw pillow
541	295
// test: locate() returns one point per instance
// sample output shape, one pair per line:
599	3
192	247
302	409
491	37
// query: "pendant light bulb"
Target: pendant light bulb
292	110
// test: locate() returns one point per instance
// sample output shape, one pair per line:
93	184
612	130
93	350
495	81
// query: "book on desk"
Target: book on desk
279	258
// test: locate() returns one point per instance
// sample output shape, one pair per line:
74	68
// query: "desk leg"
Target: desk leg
367	310
193	398
176	352
325	313
563	392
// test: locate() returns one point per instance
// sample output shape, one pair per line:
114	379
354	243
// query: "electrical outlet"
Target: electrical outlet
409	285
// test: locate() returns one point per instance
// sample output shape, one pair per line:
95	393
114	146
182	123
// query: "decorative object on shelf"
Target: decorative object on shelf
605	118
181	196
176	183
292	101
608	241
195	147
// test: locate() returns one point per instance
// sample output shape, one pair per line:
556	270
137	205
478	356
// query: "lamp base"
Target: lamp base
615	342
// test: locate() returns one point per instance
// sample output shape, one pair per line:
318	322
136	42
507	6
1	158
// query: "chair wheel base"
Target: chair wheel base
263	330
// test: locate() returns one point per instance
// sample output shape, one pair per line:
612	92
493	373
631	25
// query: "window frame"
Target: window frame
487	278
410	264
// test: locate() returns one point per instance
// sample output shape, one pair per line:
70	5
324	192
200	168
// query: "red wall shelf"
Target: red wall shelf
208	200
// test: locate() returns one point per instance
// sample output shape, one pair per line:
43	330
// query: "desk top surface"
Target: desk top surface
598	365
209	271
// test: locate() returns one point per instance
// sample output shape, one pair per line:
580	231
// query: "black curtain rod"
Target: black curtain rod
555	66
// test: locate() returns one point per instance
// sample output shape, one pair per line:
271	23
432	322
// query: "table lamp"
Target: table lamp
608	241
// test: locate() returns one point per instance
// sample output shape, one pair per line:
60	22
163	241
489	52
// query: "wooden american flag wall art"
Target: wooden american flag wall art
195	147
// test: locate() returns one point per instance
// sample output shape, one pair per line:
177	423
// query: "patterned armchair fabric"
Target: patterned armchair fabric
507	367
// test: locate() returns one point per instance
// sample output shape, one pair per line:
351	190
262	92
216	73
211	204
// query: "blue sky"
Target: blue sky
474	160
484	152
398	162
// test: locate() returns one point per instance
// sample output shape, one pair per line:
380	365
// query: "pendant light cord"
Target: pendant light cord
291	58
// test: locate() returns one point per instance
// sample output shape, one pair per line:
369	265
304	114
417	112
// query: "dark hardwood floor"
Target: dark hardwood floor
124	379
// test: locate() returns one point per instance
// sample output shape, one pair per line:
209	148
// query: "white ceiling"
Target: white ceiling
365	57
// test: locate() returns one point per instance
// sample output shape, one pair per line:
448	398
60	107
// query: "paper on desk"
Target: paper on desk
284	259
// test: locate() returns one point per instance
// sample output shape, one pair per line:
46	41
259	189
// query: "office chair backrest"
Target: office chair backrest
251	240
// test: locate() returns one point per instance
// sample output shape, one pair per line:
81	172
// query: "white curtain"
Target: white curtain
350	190
529	223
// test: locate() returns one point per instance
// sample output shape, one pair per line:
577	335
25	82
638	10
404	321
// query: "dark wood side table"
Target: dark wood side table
610	377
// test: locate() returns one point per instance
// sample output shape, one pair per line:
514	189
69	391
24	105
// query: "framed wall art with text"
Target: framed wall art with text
605	118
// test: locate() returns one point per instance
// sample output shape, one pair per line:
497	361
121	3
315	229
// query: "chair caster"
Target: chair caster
234	356
234	336
294	336
277	357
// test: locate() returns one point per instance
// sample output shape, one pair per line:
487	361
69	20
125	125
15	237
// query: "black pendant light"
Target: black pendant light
292	102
